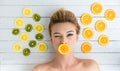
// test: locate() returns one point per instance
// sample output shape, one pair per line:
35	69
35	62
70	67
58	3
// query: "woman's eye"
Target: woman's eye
56	36
70	35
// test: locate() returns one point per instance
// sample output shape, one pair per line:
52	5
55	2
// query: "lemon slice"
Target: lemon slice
88	33
86	47
27	12
24	37
42	47
100	26
26	52
17	47
96	8
19	22
110	14
103	40
86	19
39	28
64	49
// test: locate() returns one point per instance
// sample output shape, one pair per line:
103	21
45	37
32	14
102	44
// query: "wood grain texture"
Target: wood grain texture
108	57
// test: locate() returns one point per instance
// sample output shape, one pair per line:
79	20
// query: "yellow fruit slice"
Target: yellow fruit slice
42	47
110	14
39	28
86	47
88	33
100	25
27	12
96	8
17	47
64	49
24	37
86	19
103	40
19	22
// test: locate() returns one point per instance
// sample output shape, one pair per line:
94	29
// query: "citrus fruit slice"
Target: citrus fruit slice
17	47
110	14
103	40
86	19
26	51
64	49
42	47
86	47
32	43
36	17
100	25
19	22
15	31
27	12
28	27
96	8
39	36
24	37
88	33
39	28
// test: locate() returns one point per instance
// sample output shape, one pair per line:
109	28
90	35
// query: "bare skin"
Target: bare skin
66	33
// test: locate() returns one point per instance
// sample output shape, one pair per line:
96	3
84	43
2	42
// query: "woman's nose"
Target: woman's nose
63	40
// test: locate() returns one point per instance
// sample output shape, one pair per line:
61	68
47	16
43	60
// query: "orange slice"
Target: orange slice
64	49
27	12
96	8
24	37
100	26
86	19
17	47
86	47
103	40
19	22
110	14
88	33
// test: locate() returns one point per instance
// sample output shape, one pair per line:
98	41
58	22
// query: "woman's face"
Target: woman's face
64	33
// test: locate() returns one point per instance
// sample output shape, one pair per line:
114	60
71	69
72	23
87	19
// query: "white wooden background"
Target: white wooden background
108	57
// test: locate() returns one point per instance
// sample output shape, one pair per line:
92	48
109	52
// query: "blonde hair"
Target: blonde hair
61	16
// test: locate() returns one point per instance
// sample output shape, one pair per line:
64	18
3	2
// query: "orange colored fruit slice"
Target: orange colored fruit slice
86	47
103	40
110	14
96	8
17	47
88	33
86	19
27	12
19	22
100	25
64	49
24	37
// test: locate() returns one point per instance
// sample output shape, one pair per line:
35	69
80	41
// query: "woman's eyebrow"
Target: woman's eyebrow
56	33
70	31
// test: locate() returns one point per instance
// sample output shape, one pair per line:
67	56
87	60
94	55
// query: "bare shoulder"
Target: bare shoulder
90	65
40	67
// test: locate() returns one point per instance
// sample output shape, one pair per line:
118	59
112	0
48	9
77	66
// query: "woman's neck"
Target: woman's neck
64	61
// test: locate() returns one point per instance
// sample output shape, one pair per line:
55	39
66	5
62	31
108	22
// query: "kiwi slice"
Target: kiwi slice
39	36
15	31
26	51
28	27
36	17
32	43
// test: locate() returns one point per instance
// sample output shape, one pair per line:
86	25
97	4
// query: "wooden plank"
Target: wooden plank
8	23
29	67
58	2
113	46
46	11
35	58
